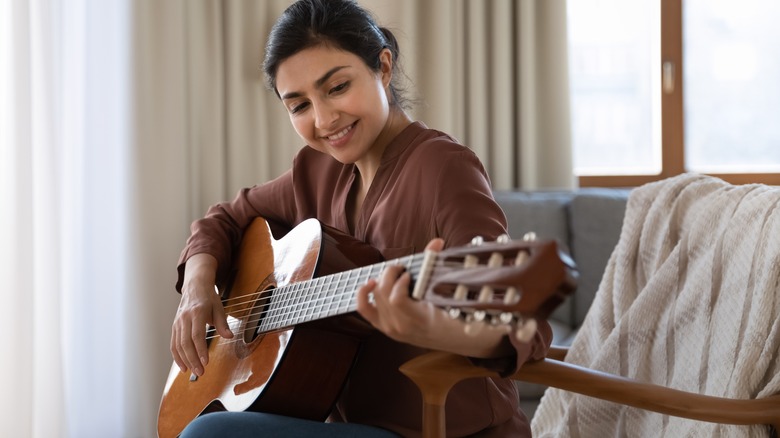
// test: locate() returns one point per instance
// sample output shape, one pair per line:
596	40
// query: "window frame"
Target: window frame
672	116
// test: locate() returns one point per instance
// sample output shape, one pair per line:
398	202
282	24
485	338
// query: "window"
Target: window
660	87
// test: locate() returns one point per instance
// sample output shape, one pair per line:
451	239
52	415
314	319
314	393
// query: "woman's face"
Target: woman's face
337	104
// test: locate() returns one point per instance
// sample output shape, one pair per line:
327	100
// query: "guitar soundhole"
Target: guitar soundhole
253	326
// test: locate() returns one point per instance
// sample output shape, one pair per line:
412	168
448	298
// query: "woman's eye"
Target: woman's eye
298	108
340	87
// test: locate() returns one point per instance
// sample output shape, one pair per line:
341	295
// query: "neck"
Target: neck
397	121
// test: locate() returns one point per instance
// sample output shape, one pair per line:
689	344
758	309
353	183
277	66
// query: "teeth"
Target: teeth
340	134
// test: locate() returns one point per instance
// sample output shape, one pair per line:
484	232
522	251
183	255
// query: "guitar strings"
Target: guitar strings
287	299
289	290
347	291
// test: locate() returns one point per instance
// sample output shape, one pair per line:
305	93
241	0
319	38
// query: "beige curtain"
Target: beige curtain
203	126
206	57
494	74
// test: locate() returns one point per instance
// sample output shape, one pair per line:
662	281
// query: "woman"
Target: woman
369	170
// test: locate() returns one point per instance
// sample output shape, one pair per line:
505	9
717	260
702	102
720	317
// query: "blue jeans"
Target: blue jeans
257	424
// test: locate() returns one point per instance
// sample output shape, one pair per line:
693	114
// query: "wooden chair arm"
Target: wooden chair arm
651	397
557	352
436	372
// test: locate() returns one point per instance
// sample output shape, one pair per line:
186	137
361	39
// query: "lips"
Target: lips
341	137
341	134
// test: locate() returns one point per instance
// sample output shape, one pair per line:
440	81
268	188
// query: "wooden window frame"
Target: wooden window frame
672	116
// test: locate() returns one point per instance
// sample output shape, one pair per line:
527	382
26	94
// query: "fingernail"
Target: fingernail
204	360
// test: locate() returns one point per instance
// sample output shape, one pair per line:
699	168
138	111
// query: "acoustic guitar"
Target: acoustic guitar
289	303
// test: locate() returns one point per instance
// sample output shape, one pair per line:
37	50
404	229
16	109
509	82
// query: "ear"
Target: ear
386	66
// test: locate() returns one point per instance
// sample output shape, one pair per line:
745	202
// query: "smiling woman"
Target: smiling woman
369	171
342	110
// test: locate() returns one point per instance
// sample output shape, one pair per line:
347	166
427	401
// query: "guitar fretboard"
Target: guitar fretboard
326	296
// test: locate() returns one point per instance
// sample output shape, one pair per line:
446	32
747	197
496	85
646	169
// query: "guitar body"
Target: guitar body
296	372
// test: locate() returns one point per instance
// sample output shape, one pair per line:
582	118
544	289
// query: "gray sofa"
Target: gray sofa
586	223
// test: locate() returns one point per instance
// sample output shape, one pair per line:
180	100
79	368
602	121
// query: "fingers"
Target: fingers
180	362
220	322
198	358
436	244
380	301
399	293
188	339
184	347
365	307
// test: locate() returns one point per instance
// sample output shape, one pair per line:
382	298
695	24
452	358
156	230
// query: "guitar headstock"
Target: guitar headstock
506	283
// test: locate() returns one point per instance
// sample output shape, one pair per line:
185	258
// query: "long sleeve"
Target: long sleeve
219	232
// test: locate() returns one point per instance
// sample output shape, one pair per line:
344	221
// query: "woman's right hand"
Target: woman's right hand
200	306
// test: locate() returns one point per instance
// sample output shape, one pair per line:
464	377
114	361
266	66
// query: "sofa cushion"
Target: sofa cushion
596	220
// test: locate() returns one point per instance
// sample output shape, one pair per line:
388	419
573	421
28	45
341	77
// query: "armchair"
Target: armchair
685	323
435	373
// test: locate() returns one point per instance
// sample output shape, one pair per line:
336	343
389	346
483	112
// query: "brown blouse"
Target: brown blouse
427	186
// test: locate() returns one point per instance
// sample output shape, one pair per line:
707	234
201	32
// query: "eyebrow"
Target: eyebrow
318	83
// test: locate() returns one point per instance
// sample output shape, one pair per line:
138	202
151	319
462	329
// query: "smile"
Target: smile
341	134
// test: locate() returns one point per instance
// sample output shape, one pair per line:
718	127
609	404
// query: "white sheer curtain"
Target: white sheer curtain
64	221
110	144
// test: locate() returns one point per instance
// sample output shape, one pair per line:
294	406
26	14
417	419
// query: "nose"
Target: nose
325	115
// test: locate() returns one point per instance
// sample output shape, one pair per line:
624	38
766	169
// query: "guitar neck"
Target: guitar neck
324	297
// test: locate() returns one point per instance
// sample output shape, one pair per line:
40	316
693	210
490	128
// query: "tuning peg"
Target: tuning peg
529	236
477	240
454	313
485	294
461	292
504	238
526	330
511	296
496	260
521	258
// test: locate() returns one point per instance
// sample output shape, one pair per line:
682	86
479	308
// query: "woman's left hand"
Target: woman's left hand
386	304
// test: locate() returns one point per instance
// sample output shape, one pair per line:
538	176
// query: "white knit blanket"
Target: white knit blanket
690	300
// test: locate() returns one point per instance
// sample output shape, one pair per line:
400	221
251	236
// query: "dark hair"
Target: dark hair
342	24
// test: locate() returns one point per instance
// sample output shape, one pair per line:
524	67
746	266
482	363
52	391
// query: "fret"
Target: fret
267	313
340	288
270	314
291	303
304	304
307	302
349	290
298	303
335	292
331	296
279	305
319	295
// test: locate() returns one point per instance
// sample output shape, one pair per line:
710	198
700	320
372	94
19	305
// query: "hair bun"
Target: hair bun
391	42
